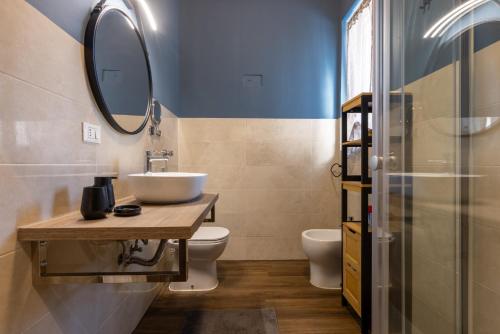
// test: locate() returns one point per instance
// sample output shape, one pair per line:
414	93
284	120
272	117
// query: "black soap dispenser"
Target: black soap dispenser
106	182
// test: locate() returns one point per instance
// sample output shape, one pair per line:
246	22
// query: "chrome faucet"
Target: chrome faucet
154	156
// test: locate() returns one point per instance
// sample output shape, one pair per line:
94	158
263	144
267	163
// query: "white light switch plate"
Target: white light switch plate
91	133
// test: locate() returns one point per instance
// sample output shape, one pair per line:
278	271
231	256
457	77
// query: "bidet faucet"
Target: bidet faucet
154	156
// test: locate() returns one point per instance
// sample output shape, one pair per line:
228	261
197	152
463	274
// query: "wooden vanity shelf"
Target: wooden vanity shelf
156	222
356	239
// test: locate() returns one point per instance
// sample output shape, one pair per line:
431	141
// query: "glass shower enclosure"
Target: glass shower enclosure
436	226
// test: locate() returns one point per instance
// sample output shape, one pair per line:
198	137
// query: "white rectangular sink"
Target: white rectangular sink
164	188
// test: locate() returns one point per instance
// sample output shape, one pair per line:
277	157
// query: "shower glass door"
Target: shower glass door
436	232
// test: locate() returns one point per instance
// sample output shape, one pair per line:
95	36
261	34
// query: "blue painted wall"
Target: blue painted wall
163	45
293	44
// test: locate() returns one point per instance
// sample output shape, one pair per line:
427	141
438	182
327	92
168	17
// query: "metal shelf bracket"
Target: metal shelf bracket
42	276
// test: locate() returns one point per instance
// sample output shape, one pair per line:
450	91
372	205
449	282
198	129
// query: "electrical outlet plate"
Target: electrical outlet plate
91	133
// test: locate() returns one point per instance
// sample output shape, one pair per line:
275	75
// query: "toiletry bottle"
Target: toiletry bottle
370	215
95	203
106	182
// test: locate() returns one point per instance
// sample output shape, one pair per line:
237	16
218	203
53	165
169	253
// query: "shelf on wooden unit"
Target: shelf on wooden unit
354	185
355	102
356	143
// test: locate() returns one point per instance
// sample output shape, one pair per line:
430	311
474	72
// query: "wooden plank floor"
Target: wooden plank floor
284	285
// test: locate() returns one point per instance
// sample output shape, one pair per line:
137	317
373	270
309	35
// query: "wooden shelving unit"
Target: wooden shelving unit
356	237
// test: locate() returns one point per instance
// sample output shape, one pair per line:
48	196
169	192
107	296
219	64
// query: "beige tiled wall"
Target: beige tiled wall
435	226
485	231
44	98
273	177
434	221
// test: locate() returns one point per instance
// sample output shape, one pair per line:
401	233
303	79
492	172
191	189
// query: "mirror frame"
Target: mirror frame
96	16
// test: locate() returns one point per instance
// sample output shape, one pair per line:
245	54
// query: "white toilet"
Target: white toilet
323	248
204	248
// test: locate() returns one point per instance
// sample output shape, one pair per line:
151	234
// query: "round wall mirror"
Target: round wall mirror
118	69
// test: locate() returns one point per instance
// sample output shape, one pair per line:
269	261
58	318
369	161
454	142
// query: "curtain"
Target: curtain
360	50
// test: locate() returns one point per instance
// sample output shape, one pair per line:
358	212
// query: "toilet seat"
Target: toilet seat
323	235
209	235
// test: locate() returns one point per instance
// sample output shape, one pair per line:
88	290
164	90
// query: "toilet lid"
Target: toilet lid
210	234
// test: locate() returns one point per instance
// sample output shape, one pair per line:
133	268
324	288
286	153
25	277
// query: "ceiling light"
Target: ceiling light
443	24
129	21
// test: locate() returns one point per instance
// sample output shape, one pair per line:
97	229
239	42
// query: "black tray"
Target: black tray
127	210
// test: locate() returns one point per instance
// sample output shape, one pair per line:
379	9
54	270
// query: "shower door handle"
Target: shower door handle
376	162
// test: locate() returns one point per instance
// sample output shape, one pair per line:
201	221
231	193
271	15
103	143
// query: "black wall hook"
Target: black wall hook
336	173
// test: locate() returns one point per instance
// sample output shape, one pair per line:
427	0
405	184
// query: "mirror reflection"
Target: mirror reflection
118	69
